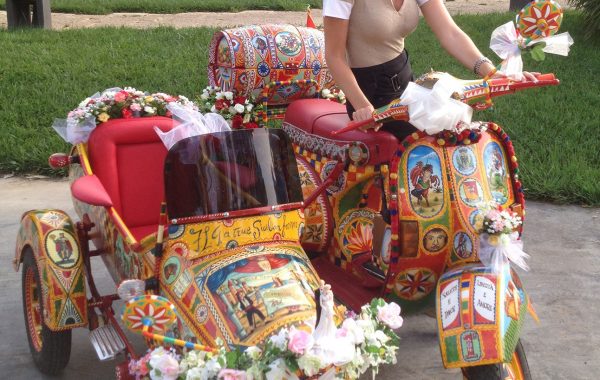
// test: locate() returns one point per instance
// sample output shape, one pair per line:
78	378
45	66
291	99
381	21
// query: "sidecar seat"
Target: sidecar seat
128	157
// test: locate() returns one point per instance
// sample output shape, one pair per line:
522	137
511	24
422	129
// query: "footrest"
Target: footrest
106	342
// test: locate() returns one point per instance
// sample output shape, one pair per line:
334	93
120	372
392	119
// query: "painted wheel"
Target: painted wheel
51	350
517	369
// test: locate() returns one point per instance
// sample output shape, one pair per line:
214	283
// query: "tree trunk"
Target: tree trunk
517	5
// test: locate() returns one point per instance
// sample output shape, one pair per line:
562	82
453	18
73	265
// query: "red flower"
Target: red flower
240	100
236	122
220	104
126	112
251	125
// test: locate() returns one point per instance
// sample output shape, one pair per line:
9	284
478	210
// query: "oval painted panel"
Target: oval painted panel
496	173
425	181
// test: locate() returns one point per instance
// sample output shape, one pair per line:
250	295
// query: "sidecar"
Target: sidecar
231	261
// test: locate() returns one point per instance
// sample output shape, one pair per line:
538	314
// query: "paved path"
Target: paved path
564	242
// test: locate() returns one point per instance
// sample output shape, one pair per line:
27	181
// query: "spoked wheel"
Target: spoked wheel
517	369
50	349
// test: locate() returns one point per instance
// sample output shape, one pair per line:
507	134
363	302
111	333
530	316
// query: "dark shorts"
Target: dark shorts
383	83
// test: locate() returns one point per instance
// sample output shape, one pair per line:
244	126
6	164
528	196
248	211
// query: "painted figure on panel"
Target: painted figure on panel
259	288
496	172
63	247
247	305
424	180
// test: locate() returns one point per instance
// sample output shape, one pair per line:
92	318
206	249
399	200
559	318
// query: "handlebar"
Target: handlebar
471	92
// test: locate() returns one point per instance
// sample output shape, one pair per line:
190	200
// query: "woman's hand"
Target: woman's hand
366	113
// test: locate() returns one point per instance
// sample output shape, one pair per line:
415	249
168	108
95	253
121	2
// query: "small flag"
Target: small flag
309	21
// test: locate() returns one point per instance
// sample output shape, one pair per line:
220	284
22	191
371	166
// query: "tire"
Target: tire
50	350
517	369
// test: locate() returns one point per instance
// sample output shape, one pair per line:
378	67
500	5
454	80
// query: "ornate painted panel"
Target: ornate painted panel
480	315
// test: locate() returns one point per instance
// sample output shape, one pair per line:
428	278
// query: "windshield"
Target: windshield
230	171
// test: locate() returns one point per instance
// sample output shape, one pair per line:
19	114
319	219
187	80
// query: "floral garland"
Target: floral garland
127	103
115	103
368	340
239	111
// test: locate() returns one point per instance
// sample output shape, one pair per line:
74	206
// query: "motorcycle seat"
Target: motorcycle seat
320	117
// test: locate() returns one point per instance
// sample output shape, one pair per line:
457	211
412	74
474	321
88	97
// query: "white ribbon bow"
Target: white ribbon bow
433	110
193	123
496	253
507	44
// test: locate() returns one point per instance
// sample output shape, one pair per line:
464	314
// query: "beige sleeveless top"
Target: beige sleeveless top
376	30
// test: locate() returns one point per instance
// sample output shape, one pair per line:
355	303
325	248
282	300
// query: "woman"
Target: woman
364	49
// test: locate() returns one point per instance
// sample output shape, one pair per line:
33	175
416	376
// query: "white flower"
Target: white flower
231	110
280	340
228	95
239	108
249	107
219	96
310	364
149	110
278	370
164	365
194	374
351	330
211	369
389	314
204	96
326	93
213	109
253	352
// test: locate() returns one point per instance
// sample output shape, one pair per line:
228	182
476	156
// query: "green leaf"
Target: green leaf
292	363
232	358
537	52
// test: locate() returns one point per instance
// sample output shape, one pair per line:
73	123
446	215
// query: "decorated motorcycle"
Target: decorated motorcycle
206	237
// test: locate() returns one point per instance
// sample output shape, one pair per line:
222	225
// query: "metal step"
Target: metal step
106	342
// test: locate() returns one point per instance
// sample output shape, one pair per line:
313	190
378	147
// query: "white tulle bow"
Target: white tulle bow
495	251
507	44
193	123
433	110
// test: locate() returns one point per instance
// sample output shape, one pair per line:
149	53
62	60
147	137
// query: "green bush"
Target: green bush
591	11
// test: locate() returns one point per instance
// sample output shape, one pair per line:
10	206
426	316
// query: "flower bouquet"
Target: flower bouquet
499	240
239	111
111	104
361	342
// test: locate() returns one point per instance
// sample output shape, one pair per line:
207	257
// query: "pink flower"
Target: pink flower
167	365
135	107
121	96
390	315
232	374
299	341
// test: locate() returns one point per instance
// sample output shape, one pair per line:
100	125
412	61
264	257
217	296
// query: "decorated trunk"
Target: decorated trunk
247	59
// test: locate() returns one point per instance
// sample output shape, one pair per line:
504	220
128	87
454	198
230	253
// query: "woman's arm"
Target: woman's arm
336	35
453	39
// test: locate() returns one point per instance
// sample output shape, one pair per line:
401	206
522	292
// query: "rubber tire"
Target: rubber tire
494	371
55	352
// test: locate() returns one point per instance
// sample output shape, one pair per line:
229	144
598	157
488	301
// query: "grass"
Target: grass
44	74
174	6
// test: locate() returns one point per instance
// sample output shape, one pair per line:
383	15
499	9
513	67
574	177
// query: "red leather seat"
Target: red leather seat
321	117
128	158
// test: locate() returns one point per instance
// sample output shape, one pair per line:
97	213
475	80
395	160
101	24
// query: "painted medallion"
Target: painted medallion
62	249
462	245
470	192
435	240
464	160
